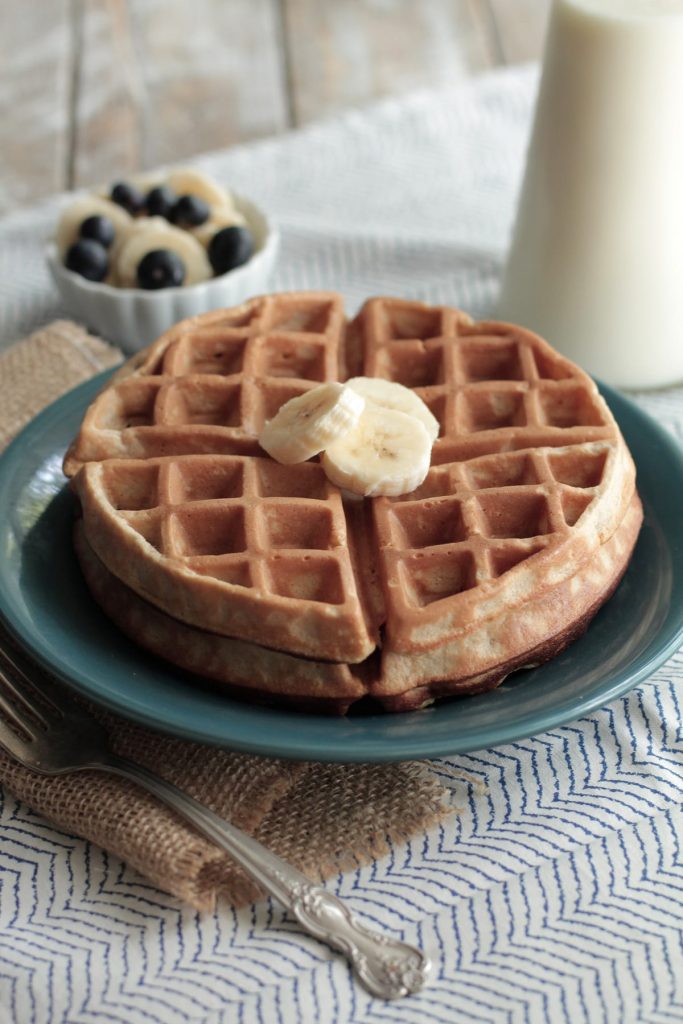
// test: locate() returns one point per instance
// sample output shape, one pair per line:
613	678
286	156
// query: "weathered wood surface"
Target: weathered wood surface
36	89
345	53
94	89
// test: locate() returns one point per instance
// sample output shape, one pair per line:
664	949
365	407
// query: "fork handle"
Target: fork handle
387	967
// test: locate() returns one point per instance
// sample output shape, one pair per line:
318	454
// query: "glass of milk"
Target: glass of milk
596	261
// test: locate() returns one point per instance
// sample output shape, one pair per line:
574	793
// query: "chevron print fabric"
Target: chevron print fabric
555	894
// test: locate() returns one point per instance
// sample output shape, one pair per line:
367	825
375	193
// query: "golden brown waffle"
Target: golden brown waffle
211	382
235	544
250	671
530	478
242	668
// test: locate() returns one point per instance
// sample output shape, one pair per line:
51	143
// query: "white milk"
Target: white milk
596	263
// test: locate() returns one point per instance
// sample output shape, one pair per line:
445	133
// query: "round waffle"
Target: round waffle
520	531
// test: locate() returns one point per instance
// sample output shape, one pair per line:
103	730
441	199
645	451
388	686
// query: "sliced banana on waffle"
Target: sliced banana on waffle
392	395
69	226
152	233
376	436
307	424
387	452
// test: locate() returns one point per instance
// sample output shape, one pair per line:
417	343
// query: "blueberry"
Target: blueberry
88	258
229	248
160	201
190	211
99	229
160	268
127	196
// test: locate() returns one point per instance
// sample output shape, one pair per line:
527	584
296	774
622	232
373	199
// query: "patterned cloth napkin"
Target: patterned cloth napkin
321	818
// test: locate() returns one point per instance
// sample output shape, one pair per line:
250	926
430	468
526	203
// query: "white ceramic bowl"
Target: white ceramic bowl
132	317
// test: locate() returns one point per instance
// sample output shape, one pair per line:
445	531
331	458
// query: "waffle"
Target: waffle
259	674
235	544
242	668
500	556
209	384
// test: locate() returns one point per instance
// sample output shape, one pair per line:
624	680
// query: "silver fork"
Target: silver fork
43	728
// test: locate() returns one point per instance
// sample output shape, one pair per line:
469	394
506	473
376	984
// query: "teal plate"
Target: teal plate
46	605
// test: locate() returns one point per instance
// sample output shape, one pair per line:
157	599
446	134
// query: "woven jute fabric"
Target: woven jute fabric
321	818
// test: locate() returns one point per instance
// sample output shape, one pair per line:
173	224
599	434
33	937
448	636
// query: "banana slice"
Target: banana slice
140	224
152	233
223	217
186	180
391	395
136	226
69	225
387	452
310	422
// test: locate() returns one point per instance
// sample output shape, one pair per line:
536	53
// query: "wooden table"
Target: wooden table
95	89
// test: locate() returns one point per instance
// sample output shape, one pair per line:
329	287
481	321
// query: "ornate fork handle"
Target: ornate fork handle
387	967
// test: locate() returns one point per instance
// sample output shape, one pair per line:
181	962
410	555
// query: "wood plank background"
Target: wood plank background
94	89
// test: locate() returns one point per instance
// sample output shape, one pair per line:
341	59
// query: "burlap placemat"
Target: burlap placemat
321	818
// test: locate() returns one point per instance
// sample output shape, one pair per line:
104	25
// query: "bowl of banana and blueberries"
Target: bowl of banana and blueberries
132	259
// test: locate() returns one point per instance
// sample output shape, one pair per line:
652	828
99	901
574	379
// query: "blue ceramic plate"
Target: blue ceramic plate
44	602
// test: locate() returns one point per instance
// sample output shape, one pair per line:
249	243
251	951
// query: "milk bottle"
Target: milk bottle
596	262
